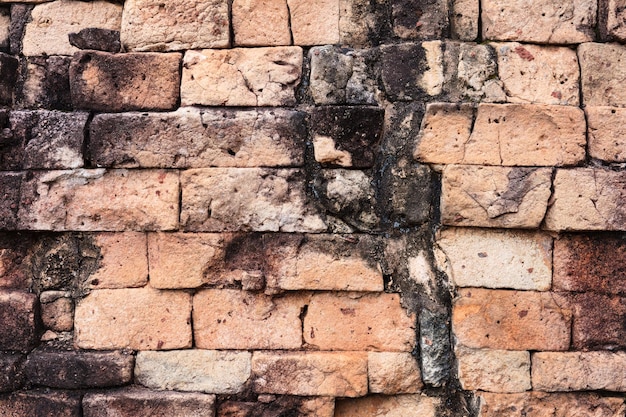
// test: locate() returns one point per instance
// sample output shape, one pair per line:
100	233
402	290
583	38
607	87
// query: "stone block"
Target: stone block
598	321
602	75
96	199
151	25
105	40
209	371
606	128
261	23
331	69
122	262
511	320
198	138
464	19
19	320
335	374
40	403
14	256
497	259
359	322
121	82
51	23
155	319
314	23
388	406
587	199
417	19
269	406
11	372
612	20
20	16
5	25
393	373
10	184
493	370
8	76
57	310
241	76
44	83
363	23
494	196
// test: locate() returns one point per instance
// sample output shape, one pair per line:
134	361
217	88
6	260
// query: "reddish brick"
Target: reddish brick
10	183
18	320
40	403
598	321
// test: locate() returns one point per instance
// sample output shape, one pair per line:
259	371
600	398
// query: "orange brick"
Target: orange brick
387	406
123	261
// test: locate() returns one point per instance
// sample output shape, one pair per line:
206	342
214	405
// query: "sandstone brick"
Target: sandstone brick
5	24
361	22
236	199
498	259
494	370
314	23
419	20
47	32
14	255
8	76
241	76
261	22
40	403
464	19
137	402
539	74
233	319
331	69
44	83
579	371
393	373
153	320
74	370
105	40
512	320
388	406
611	20
587	199
198	138
100	200
270	405
19	324
358	322
494	196
10	183
605	127
57	310
557	21
602	75
121	82
541	404
598	321
207	371
333	374
150	25
123	261
11	372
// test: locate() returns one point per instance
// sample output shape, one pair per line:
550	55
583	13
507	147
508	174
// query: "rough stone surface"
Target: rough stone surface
341	374
579	371
241	76
602	74
261	23
40	403
612	20
198	138
123	261
494	196
5	29
282	405
605	126
417	19
557	21
435	346
44	83
106	40
497	259
151	25
587	199
464	19
14	254
100	200
512	320
105	319
388	406
359	322
363	23
393	373
494	370
598	321
314	23
8	75
51	23
18	320
207	371
10	183
57	311
246	200
122	82
11	372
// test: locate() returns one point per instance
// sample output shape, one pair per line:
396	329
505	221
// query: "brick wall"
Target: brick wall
312	208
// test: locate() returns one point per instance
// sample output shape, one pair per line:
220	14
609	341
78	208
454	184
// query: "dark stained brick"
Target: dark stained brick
599	321
40	403
11	376
96	38
8	76
18	320
44	83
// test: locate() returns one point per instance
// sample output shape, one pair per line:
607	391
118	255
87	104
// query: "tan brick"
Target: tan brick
314	23
342	374
388	406
261	22
611	20
541	404
494	196
606	127
602	74
151	25
51	23
498	259
554	21
209	371
359	322
140	319
579	371
512	320
123	261
493	370
234	319
57	310
587	199
464	19
241	76
393	373
538	74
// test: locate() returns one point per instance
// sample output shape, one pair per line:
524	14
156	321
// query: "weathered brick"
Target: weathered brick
261	23
314	23
105	40
198	138
362	22
20	16
331	70
611	20
241	76
216	199
598	321
5	25
579	371
464	19
358	322
498	259
493	370
512	320
11	372
44	83
494	196
556	21
105	319
40	403
57	310
8	76
602	74
605	126
151	25
14	255
19	313
342	374
99	200
393	373
233	319
270	405
415	19
587	199
136	402
388	406
74	370
10	183
47	31
210	371
123	261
